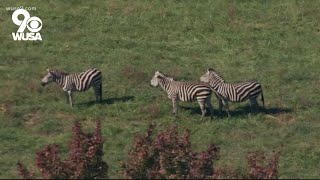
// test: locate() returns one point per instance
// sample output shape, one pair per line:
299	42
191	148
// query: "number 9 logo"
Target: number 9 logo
34	24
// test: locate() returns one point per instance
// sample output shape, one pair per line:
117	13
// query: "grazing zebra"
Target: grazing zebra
234	92
76	82
184	91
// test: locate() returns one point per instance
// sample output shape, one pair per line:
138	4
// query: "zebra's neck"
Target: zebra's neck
60	79
215	84
165	84
217	76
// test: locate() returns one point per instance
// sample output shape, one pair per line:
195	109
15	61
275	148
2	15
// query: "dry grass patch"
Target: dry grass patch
282	119
151	111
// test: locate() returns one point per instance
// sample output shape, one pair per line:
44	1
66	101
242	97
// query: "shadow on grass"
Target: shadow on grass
239	112
196	110
108	101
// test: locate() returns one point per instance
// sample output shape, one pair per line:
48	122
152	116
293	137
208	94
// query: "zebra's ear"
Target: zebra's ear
49	71
157	73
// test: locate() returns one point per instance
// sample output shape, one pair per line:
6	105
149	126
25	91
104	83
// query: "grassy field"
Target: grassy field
274	42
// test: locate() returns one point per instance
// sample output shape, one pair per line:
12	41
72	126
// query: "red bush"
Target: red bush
23	171
259	167
169	156
85	160
262	168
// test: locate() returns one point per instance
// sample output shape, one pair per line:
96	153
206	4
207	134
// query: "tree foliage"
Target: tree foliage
84	161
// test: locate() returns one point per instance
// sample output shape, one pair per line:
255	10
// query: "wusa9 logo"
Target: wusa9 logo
33	24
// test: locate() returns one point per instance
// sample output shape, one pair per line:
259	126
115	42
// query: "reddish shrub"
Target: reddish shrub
166	156
84	161
23	171
227	172
49	163
169	156
259	167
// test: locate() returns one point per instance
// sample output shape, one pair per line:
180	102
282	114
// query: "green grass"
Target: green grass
274	42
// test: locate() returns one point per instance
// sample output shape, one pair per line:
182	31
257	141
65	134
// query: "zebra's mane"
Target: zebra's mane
216	74
58	72
165	75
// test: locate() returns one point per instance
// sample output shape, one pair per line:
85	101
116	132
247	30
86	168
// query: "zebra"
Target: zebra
184	91
234	92
75	82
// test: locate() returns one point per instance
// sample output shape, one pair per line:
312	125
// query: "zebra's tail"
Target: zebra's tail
100	92
262	98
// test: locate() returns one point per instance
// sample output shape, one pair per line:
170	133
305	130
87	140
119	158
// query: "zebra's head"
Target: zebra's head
158	76
211	75
48	78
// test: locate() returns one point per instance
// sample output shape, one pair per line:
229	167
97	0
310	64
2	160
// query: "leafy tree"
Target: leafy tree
85	160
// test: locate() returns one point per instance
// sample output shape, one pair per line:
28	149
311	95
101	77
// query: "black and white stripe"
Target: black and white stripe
234	92
76	81
184	91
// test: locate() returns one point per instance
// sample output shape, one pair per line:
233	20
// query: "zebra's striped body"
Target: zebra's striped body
184	91
76	81
234	92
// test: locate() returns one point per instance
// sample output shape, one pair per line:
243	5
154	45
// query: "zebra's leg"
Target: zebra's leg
202	107
262	99
220	102
208	101
253	104
100	92
174	105
226	106
70	98
220	105
67	96
96	92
